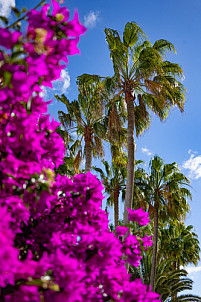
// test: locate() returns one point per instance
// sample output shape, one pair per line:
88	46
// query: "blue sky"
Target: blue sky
179	21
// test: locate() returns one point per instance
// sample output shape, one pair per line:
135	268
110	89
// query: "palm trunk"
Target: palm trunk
116	206
88	149
131	154
155	243
174	265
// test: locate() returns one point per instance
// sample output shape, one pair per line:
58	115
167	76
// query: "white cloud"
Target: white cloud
192	269
66	80
59	86
63	83
146	151
192	152
193	164
5	7
43	93
90	19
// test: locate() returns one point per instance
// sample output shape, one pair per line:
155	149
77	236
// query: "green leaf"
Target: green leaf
163	46
129	35
132	32
87	78
128	225
4	19
16	11
17	54
24	10
7	78
40	81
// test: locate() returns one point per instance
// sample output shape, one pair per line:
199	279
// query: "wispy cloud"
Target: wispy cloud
91	19
63	83
65	79
193	164
5	7
146	151
190	151
192	269
59	86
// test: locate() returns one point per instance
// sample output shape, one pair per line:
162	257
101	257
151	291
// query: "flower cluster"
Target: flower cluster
138	215
55	240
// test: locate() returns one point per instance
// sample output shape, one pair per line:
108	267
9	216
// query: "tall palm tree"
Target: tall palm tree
169	283
114	183
165	192
180	243
85	117
146	81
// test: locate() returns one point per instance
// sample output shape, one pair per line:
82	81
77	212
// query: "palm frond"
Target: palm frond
163	46
132	34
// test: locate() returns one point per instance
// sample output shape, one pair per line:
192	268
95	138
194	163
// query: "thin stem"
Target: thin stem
22	18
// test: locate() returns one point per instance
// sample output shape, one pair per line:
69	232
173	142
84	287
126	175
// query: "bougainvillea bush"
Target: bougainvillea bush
55	244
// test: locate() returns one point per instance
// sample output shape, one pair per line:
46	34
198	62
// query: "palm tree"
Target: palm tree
146	81
114	183
180	243
165	192
85	117
169	283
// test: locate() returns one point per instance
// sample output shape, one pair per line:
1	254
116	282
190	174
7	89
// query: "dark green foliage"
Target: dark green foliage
179	242
169	283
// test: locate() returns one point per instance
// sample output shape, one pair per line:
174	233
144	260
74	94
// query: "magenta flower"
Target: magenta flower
137	291
8	39
147	241
75	27
139	216
121	231
55	243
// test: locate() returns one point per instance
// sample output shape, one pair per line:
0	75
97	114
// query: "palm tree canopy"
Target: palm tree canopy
85	115
140	67
179	242
166	186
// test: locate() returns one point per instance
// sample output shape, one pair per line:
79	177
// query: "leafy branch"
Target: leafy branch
18	13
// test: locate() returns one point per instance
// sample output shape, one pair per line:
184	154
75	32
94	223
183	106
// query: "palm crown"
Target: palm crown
85	116
180	243
142	72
